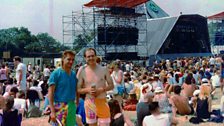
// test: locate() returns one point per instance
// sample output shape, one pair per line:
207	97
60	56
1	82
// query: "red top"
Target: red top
115	3
217	16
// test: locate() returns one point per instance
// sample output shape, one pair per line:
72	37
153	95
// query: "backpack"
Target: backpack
33	111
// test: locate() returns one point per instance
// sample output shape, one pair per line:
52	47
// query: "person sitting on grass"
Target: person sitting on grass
11	117
13	91
180	104
142	107
117	117
204	103
156	118
131	102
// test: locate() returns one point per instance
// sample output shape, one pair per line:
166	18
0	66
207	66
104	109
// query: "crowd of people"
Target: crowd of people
99	93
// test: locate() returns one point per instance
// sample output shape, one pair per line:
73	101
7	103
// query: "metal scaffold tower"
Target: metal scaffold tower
86	25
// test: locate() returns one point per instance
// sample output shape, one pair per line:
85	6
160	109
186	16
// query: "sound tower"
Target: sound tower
117	35
122	56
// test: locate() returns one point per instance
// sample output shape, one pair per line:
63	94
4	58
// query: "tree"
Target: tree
20	41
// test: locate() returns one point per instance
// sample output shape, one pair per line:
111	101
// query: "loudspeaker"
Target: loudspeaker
122	56
117	35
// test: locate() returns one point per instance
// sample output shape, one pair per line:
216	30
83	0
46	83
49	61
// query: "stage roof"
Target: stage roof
217	16
115	3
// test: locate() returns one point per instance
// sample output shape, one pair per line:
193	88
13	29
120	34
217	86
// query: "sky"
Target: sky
35	14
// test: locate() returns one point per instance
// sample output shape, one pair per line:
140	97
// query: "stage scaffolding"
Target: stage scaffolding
84	24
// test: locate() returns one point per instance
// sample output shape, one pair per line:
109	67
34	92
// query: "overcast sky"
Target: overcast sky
34	14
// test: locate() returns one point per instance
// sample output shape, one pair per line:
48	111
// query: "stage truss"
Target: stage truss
84	24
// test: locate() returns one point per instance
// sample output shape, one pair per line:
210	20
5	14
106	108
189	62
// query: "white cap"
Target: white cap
158	90
204	80
147	87
196	92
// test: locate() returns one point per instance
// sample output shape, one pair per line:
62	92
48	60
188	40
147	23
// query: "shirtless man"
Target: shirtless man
180	103
94	81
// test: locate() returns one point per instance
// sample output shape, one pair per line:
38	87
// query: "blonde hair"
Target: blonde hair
205	91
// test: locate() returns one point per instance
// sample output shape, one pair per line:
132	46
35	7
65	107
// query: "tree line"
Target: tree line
20	41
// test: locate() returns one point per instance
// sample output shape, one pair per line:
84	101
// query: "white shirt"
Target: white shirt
215	79
46	72
29	68
19	103
160	120
3	75
22	67
127	67
156	84
36	88
212	61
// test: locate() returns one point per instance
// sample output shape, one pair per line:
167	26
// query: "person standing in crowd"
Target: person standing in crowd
20	73
29	68
46	72
118	81
3	77
3	74
8	70
215	82
62	91
94	81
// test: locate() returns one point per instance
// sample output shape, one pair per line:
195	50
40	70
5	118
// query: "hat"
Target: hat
204	80
146	88
196	92
158	90
156	75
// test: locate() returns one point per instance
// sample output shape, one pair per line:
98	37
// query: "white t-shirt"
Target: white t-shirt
156	84
29	67
22	67
127	67
3	75
46	72
215	79
212	61
19	103
160	120
6	94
